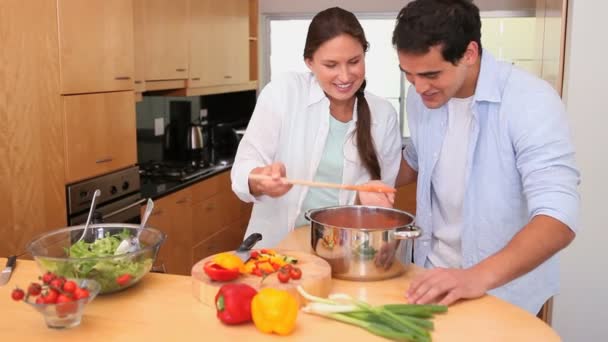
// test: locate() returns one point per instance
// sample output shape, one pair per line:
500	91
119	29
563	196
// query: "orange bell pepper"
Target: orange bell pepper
229	261
274	311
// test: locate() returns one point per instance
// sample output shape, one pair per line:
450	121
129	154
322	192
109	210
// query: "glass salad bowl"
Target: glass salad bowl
69	314
66	252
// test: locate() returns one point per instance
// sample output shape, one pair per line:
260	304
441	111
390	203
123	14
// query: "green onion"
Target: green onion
398	322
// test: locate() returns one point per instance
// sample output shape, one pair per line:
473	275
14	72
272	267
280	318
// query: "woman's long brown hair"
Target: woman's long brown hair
325	26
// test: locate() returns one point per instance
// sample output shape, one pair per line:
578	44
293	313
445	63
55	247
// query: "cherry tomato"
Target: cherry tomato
283	277
65	305
56	283
286	267
34	289
264	251
124	279
40	300
80	293
69	286
295	273
51	296
48	277
17	294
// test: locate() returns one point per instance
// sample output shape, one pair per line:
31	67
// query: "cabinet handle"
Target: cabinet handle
180	69
122	78
196	79
137	82
103	160
227	77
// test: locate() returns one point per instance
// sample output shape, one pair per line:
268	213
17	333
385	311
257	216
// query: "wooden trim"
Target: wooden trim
562	53
139	97
546	312
164	85
252	85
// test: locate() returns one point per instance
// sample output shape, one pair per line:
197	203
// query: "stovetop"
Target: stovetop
159	178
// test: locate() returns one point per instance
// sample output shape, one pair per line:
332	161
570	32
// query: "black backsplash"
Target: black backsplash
234	109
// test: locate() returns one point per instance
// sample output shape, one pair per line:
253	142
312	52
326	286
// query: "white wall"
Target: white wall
581	309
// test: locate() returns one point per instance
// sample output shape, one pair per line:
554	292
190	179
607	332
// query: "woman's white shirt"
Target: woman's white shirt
290	124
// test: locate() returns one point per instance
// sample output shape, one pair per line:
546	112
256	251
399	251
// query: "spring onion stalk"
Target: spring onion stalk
398	322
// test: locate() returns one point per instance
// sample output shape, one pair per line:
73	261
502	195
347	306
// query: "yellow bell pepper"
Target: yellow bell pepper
229	261
274	311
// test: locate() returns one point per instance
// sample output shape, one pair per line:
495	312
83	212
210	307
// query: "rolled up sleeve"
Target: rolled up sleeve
545	159
258	146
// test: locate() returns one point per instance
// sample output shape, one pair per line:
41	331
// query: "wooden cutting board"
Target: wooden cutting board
316	279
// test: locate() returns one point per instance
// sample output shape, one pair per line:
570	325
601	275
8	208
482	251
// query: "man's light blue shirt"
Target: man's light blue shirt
520	163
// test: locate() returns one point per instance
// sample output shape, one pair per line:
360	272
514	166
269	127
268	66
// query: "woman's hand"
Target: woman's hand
376	199
274	187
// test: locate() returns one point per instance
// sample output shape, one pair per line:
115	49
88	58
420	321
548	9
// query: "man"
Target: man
490	149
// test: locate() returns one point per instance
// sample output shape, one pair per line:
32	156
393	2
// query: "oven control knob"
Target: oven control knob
125	185
113	190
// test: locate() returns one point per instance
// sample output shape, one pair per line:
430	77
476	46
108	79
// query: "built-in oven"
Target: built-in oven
119	202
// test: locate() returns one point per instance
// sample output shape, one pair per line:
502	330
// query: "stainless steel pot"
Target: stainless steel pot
363	243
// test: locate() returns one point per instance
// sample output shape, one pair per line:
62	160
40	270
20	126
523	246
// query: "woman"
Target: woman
318	126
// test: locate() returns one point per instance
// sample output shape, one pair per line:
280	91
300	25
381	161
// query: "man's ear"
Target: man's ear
471	54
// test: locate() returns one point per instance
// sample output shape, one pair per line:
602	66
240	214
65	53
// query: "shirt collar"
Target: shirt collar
488	86
316	93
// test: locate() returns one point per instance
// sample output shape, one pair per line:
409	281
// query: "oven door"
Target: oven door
125	210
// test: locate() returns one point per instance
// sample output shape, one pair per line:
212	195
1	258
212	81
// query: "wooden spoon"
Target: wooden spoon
363	188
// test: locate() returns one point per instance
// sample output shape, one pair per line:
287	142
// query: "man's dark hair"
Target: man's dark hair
453	24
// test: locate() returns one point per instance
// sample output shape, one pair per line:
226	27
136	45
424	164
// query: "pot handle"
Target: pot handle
307	214
408	232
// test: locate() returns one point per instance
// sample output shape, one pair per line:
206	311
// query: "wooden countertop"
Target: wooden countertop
161	308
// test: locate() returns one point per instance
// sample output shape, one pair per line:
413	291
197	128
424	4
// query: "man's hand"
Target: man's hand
274	187
446	285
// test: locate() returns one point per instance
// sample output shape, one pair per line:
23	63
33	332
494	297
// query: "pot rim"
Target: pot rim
409	226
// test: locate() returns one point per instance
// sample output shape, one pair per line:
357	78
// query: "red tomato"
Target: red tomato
257	272
50	297
65	305
70	286
283	277
34	289
124	279
56	283
47	277
40	300
17	294
295	273
254	254
80	293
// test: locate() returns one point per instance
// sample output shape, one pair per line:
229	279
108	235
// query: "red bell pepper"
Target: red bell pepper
218	273
233	303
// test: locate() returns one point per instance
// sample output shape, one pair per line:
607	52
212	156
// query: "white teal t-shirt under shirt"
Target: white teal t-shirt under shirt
448	187
330	170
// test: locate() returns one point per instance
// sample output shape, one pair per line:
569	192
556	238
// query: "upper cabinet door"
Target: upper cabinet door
166	39
96	45
219	44
100	133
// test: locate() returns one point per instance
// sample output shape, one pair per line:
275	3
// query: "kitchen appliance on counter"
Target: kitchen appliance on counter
185	140
119	202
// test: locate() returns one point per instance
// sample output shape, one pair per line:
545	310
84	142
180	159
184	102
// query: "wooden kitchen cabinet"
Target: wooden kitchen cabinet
165	27
95	45
100	133
219	43
172	214
139	45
